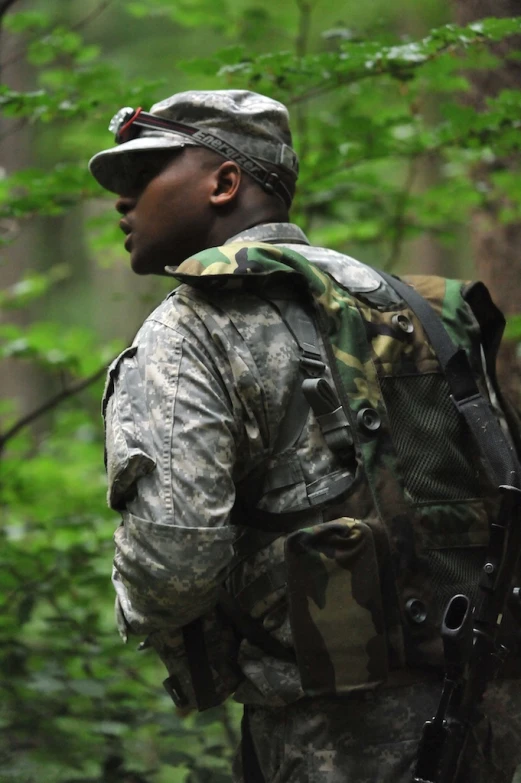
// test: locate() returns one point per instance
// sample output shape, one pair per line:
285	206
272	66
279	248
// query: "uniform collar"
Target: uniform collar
272	233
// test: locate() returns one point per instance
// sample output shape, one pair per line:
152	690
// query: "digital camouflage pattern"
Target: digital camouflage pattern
372	737
253	123
181	456
176	512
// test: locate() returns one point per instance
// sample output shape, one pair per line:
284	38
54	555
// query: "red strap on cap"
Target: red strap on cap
122	131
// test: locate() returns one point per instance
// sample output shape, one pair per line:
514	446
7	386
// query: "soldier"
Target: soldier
329	486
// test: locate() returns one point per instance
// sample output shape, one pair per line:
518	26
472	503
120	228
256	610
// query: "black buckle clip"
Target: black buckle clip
311	364
173	687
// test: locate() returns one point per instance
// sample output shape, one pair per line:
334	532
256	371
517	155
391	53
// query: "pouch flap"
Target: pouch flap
336	611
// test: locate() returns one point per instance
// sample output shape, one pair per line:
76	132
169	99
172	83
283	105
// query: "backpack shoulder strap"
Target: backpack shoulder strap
314	391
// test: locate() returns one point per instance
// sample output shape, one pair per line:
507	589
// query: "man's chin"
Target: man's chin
146	266
138	268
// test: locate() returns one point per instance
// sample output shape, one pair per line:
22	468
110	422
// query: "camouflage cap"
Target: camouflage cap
240	125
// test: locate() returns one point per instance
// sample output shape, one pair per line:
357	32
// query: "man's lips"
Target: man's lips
127	229
125	226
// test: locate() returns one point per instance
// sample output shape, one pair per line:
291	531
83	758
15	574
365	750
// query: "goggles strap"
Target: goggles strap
269	181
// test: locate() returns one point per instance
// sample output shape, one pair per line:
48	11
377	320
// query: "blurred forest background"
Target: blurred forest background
407	120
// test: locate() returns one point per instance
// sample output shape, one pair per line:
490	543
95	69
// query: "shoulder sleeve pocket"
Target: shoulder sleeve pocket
127	451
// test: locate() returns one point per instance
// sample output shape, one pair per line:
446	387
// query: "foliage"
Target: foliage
372	110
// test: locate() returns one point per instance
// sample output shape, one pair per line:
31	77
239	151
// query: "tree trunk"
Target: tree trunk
496	245
20	381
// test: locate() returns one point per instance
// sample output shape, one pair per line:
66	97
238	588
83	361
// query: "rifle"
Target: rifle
473	655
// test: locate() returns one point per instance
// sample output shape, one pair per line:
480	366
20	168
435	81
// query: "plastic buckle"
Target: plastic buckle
311	364
173	687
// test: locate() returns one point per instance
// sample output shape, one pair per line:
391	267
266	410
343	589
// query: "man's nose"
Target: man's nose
124	204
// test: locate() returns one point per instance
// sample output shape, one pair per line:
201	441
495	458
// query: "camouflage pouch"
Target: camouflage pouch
335	607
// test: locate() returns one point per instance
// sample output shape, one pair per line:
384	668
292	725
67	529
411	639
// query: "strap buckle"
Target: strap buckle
311	361
312	366
330	416
173	687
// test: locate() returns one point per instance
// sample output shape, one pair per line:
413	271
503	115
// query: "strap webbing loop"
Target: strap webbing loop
330	416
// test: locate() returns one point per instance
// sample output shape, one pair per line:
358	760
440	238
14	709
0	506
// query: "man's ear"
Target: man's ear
226	184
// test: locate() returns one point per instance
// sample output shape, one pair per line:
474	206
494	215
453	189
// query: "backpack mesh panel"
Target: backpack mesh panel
430	438
455	571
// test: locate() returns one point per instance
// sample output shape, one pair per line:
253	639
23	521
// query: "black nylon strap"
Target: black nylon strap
200	671
251	771
315	391
297	410
252	629
445	349
268	180
496	450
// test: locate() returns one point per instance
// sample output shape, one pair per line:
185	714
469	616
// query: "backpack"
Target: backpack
368	564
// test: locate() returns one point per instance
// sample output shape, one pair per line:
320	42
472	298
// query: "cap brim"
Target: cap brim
117	168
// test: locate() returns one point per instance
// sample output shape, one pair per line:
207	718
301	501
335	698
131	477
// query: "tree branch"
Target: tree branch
301	49
70	391
14	128
4	7
381	69
93	15
82	23
301	43
229	730
305	8
398	223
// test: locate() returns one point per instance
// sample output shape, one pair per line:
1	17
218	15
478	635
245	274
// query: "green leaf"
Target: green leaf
513	328
91	688
32	286
21	21
25	608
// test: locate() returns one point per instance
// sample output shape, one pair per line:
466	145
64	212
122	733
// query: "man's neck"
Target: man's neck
237	223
